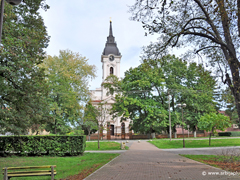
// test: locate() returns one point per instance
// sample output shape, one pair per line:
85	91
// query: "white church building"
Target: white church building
111	59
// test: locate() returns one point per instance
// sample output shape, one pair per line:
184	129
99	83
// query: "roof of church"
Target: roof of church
111	45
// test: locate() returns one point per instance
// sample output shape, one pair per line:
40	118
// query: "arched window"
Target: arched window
111	70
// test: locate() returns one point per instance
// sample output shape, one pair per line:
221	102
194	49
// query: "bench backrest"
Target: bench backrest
8	174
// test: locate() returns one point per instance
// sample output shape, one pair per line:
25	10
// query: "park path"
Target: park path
144	161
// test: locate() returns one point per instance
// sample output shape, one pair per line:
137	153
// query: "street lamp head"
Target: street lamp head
181	105
14	2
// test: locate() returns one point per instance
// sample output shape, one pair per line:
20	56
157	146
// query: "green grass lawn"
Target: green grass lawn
103	146
167	144
225	162
66	166
217	158
186	137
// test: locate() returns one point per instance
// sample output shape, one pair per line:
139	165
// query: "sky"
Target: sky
82	26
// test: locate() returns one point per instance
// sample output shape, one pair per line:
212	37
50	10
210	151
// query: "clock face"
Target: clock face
111	58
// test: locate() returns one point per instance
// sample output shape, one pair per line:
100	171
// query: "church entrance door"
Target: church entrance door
112	130
123	131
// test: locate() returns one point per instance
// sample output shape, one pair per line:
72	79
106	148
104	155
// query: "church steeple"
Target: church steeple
110	29
111	45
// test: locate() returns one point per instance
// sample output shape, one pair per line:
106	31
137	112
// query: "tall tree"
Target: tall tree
144	90
67	76
140	98
212	27
23	89
190	84
198	94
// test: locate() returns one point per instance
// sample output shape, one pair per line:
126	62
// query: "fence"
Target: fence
119	133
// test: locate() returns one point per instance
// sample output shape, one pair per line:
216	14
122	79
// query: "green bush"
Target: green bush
42	145
235	133
224	134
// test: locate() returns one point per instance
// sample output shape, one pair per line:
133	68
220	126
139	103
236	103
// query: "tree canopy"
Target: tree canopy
68	76
212	122
23	89
210	27
142	93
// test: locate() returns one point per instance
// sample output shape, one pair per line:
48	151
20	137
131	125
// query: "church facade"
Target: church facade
111	59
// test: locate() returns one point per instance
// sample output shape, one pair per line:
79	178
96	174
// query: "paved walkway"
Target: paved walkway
144	161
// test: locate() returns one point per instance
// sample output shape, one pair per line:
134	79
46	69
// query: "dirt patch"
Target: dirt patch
227	166
83	174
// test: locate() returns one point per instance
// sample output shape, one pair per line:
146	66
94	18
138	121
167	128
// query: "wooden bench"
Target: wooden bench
8	175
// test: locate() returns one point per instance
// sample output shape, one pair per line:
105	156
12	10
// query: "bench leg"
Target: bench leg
5	174
52	172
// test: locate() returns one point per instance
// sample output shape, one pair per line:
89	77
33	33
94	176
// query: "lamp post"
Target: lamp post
12	2
170	128
182	106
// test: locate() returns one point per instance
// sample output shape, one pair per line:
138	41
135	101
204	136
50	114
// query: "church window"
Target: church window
111	70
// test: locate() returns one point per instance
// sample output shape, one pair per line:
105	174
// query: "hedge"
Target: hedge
224	133
230	133
42	145
235	133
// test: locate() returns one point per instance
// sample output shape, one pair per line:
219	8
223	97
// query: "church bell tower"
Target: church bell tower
110	59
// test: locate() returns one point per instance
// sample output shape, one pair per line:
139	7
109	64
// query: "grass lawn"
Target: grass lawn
227	163
66	166
203	158
167	144
93	146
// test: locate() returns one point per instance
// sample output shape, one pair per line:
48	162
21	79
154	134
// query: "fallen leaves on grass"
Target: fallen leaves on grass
83	174
227	166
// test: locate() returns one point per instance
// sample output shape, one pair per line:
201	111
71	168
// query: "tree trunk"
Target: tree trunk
235	89
210	139
195	131
237	101
174	131
98	137
89	135
231	56
175	135
210	136
55	127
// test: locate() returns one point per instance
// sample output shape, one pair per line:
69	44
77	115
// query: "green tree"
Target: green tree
190	84
67	76
142	94
23	89
140	98
211	122
231	111
90	122
211	27
198	94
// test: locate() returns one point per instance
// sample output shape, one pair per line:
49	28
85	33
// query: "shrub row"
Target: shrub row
235	133
230	133
224	133
42	145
